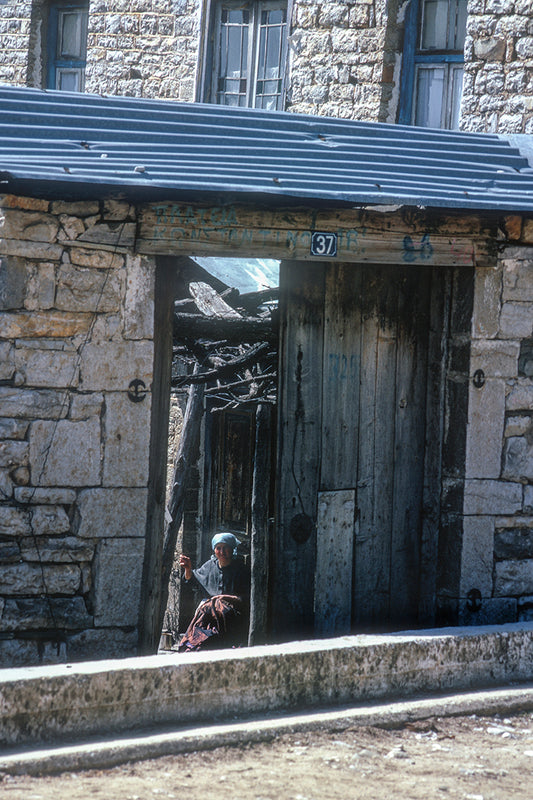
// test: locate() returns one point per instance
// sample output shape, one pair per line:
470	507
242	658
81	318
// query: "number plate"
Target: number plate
323	244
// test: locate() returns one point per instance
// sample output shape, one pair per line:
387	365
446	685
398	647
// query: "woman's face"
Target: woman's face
224	554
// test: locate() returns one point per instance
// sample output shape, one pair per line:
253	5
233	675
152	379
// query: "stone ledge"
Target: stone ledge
109	751
60	702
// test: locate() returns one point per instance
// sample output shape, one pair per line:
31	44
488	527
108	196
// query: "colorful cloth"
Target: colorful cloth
215	624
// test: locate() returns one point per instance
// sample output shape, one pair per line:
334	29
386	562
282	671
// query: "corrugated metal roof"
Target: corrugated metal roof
57	144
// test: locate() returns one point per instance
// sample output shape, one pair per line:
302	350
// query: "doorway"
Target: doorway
225	357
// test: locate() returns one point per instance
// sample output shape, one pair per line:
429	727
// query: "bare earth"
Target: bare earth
471	758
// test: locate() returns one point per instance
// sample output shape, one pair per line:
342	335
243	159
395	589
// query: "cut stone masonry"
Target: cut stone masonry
76	327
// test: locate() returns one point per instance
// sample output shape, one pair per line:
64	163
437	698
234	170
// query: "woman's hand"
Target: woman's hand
185	562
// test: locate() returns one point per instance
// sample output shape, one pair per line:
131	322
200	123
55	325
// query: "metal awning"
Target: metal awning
73	146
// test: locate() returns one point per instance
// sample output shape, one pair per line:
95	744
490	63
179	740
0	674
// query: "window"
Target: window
67	45
433	58
247	54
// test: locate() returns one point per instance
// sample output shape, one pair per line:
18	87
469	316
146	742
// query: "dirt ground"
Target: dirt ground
466	758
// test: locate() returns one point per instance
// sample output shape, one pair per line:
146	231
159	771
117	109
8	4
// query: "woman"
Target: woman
223	584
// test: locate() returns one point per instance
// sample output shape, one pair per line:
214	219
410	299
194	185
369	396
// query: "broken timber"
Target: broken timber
210	302
233	329
234	350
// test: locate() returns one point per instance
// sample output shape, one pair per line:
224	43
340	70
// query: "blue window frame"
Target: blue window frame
432	66
67	44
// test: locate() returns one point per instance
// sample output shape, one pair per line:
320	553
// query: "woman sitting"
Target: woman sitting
223	584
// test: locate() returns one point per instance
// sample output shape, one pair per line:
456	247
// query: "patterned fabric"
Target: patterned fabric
216	623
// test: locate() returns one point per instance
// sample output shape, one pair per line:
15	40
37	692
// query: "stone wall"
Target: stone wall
344	56
14	41
498	83
76	328
497	546
143	48
341	58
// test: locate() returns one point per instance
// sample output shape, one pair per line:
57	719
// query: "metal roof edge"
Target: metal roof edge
523	142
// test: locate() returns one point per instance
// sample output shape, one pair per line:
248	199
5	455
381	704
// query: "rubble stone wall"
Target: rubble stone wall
14	41
76	327
498	83
343	58
497	548
141	48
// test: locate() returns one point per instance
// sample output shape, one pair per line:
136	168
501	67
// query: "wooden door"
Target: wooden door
358	411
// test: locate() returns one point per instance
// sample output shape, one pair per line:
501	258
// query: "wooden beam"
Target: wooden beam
406	236
227	369
152	589
210	303
233	329
299	436
186	455
260	530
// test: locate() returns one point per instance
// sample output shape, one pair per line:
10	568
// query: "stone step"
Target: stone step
106	698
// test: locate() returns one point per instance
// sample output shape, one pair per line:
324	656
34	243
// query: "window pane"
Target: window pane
272	32
269	53
456	92
71	38
443	24
275	16
233	57
235	52
234	16
69	80
267	102
434	34
429	94
458	42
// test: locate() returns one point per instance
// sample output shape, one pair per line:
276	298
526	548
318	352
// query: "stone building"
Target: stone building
85	337
441	63
78	294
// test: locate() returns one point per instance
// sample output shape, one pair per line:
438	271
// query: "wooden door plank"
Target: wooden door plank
365	569
411	372
437	352
334	562
340	400
300	412
371	599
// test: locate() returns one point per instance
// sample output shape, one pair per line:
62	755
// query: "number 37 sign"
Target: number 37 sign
323	244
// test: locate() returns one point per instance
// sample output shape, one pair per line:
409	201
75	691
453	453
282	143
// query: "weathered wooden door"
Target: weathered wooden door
359	439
